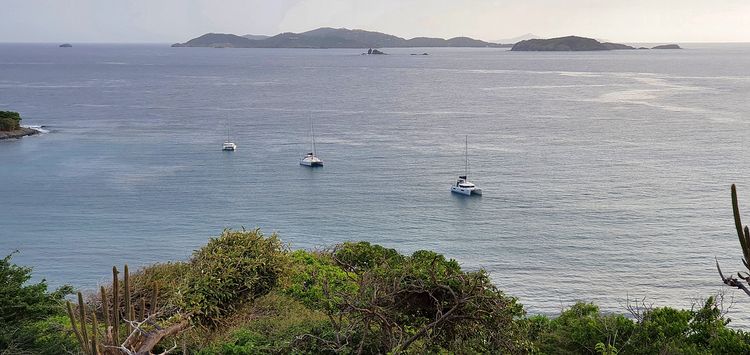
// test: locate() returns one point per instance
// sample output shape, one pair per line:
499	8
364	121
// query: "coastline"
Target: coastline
19	133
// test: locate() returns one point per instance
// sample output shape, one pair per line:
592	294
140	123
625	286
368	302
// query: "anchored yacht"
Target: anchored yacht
310	159
462	185
228	145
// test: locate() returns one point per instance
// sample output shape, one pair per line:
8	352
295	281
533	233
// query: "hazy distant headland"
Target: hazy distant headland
574	43
667	46
327	37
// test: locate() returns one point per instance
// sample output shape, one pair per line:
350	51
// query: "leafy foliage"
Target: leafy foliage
583	329
231	269
277	323
162	278
251	295
422	302
26	310
579	330
9	120
363	256
316	280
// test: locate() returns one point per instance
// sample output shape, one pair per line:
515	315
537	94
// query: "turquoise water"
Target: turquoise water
605	175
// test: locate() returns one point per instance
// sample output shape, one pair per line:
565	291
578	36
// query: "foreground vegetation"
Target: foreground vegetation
246	293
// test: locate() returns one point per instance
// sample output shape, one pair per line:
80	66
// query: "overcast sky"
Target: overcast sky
180	20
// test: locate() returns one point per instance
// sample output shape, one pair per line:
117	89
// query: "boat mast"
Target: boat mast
312	132
466	155
229	126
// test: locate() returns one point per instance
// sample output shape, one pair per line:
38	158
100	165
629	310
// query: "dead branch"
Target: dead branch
731	281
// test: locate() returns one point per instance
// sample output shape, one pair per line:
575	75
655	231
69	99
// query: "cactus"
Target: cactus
115	305
154	299
139	341
126	295
88	346
73	324
142	310
94	328
744	235
105	314
82	313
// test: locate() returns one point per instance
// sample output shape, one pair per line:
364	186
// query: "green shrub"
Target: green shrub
362	256
418	303
25	308
583	329
234	268
317	281
167	277
579	329
276	323
52	336
9	120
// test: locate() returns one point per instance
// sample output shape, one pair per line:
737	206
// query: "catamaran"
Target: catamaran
310	159
462	185
228	145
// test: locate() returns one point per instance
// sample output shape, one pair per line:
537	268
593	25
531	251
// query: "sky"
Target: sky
169	21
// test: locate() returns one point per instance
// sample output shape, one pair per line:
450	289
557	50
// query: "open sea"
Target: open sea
605	174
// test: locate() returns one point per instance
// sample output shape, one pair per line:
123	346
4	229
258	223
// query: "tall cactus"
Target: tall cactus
744	235
80	328
126	295
105	314
115	305
82	313
73	324
94	331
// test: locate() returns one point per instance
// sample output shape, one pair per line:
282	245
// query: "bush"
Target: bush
583	329
51	336
418	303
9	120
363	256
275	324
236	267
579	329
167	277
316	280
25	308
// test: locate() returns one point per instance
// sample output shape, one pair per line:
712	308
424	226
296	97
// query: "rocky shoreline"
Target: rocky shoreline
23	132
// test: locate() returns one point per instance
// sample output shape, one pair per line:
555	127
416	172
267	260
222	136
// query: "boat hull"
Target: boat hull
466	191
229	147
311	164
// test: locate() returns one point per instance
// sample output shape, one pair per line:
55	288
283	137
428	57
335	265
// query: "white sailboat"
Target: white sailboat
228	145
462	185
310	159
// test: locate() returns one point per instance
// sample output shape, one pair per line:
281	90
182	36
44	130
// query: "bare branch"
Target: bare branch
731	281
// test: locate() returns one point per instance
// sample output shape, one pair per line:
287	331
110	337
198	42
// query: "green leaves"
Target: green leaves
9	120
584	329
24	307
236	267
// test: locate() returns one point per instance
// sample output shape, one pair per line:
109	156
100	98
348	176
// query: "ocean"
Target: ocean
606	175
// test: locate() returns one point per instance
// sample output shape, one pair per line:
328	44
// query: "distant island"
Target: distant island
327	37
668	46
66	45
575	43
10	126
569	43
